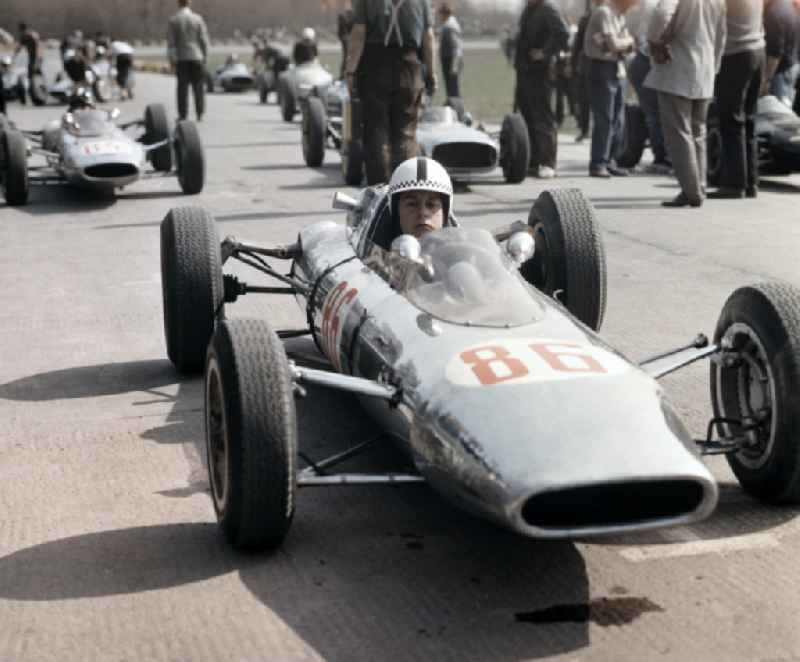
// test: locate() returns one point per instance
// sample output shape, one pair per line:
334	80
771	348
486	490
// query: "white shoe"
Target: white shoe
546	172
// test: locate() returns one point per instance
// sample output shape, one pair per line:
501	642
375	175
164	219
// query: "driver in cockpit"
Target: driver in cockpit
421	197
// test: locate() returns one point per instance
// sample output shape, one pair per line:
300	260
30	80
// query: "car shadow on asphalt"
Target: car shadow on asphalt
274	143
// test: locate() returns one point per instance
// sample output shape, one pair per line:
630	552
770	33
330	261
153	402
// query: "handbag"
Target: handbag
661	51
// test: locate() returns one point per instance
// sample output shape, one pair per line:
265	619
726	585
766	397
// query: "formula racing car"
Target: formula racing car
87	148
480	356
233	76
445	133
297	82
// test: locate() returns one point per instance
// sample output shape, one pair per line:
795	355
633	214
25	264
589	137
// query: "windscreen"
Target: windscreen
462	277
89	123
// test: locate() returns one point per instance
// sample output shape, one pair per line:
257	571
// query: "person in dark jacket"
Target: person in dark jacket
543	34
383	64
344	23
451	51
580	77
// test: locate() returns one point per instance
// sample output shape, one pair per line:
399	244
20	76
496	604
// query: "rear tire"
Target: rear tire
156	127
763	323
634	137
191	163
263	88
515	148
353	163
251	434
315	123
287	98
191	284
14	167
569	258
714	152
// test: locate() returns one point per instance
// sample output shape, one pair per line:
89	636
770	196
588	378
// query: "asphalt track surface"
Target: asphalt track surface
108	545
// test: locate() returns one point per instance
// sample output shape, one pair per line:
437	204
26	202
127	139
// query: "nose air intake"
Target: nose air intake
110	170
613	504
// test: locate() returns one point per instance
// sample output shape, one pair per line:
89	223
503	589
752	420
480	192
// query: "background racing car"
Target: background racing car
233	76
483	364
777	130
87	148
296	84
445	133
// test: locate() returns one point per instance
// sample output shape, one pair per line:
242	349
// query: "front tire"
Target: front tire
288	99
353	163
14	167
569	261
714	152
315	124
191	164
191	284
634	137
515	148
156	127
251	434
762	325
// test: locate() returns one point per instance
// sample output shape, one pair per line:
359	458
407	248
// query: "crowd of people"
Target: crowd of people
678	56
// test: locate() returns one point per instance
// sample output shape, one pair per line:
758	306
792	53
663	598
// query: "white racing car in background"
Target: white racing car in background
87	148
444	133
233	76
297	83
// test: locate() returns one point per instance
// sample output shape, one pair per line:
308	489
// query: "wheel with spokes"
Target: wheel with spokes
756	381
251	434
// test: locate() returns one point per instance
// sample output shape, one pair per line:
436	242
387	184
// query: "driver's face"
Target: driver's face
420	212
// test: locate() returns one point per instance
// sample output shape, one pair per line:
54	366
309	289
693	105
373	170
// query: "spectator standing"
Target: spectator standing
187	50
6	40
451	51
687	39
638	20
344	23
580	74
737	90
122	56
780	31
305	50
606	44
383	63
29	40
543	34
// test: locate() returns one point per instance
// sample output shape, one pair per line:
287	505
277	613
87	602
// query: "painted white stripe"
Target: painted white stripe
699	547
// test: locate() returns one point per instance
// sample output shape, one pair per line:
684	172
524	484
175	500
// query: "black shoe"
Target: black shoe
751	192
599	171
617	171
681	200
726	194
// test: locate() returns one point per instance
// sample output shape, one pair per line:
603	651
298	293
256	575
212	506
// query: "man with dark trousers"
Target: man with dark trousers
737	88
187	50
543	34
383	64
451	50
29	40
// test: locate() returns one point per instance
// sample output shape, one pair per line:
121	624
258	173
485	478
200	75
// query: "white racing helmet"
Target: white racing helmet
308	35
421	174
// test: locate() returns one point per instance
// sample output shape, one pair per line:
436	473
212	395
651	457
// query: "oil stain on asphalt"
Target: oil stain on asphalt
602	612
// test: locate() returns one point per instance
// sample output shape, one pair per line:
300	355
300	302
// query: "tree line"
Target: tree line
146	19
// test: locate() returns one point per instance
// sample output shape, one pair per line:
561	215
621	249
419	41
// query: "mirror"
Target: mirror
407	247
468	118
520	247
114	113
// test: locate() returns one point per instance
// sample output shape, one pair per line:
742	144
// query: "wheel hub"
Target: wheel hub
217	446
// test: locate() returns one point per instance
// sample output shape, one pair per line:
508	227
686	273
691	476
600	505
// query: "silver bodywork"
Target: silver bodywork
530	420
235	77
307	77
87	149
463	150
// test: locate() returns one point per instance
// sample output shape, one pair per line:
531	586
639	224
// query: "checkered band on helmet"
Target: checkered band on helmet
422	174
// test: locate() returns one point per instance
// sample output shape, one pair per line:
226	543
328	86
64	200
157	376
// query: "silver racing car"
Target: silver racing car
87	148
444	133
479	354
233	76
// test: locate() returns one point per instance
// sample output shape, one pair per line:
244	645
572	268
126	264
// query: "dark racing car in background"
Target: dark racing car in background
777	131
